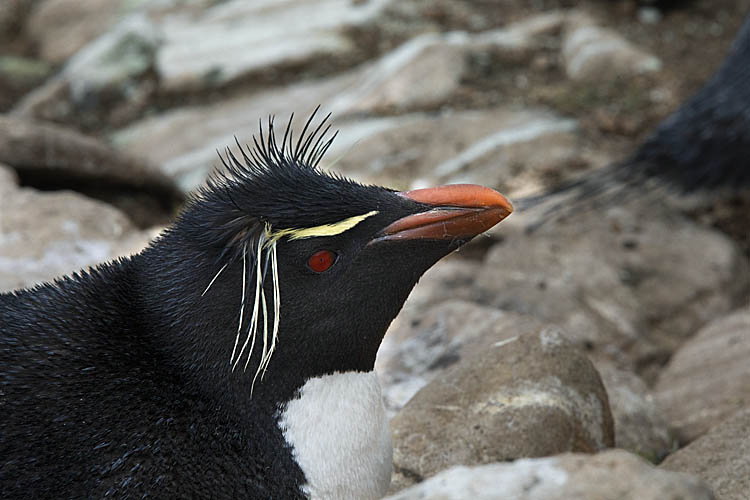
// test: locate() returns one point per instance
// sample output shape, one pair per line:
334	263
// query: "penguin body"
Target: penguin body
87	415
233	357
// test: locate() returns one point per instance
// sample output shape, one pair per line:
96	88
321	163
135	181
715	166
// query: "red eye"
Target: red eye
322	260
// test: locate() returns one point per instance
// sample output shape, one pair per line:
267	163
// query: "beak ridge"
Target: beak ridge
461	211
460	195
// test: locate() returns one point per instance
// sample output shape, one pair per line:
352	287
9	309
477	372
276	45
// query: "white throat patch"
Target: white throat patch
340	436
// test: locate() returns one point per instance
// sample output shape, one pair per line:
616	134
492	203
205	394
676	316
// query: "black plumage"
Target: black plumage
117	381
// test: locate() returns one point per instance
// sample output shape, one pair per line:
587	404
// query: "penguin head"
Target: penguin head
277	272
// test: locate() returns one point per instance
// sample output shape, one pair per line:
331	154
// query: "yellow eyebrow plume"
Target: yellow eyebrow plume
324	230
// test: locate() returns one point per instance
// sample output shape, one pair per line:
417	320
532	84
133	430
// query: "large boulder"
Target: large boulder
530	395
422	347
231	40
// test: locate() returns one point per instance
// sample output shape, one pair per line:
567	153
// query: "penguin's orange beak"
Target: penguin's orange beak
461	211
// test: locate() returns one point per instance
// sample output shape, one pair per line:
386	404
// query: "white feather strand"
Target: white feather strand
258	291
242	303
216	276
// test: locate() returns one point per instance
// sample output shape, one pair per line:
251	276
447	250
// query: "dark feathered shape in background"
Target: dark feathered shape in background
703	146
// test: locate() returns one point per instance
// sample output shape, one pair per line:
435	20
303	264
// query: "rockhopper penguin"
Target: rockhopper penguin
232	358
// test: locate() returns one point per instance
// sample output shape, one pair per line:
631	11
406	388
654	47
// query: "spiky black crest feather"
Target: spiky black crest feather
279	182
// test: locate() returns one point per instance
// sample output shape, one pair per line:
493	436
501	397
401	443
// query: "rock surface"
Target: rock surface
435	342
107	79
609	475
61	27
708	379
721	457
624	281
498	147
46	235
486	146
18	75
232	39
429	69
183	142
527	396
34	146
395	82
640	424
591	52
53	157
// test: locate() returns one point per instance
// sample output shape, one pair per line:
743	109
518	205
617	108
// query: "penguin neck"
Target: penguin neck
288	374
196	333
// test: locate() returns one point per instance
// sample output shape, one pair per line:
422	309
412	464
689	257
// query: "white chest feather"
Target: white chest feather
341	437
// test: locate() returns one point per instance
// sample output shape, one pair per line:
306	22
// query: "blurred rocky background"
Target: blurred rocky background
602	355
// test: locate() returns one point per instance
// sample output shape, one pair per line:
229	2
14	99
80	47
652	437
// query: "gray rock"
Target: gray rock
61	27
427	70
640	425
524	33
421	73
530	395
53	151
708	379
721	457
235	38
489	146
630	282
609	475
591	52
105	73
52	156
503	148
8	179
435	343
45	235
184	141
512	143
18	76
120	56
